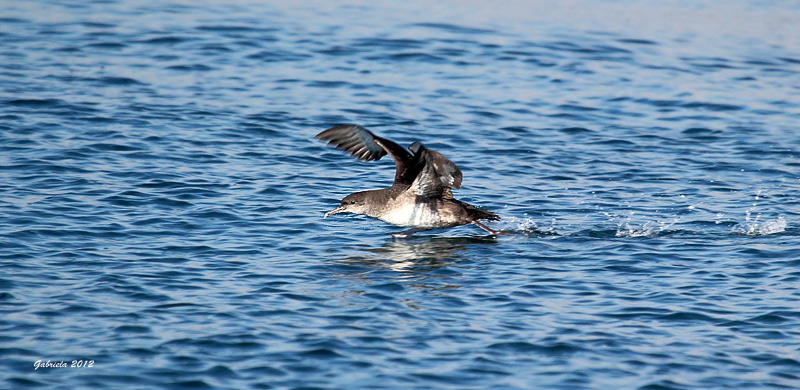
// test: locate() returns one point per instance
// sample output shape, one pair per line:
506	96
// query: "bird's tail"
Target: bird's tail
485	214
476	213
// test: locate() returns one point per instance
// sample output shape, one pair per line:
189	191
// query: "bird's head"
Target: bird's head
353	203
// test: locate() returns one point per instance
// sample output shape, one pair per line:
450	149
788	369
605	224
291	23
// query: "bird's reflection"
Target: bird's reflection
418	257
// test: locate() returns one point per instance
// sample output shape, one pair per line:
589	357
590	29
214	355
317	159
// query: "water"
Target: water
161	195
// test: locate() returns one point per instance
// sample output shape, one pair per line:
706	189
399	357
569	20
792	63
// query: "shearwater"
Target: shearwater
421	196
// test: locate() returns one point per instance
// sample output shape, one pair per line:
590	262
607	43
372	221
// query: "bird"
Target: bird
421	196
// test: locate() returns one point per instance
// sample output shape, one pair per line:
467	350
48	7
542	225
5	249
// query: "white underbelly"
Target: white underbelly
413	215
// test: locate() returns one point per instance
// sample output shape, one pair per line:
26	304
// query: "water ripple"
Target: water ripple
162	194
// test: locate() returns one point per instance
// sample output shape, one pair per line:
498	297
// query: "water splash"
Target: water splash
756	227
527	225
753	226
648	229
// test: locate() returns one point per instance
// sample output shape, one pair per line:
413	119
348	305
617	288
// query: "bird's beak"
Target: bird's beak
334	211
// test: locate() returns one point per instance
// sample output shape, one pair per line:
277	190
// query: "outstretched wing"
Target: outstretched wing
437	175
354	139
366	146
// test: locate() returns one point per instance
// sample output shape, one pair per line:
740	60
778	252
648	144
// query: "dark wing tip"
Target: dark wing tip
414	147
436	175
354	139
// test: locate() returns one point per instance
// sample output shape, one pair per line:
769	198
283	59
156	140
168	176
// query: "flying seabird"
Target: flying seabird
421	196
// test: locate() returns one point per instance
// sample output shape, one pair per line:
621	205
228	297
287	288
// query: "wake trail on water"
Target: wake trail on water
632	224
629	227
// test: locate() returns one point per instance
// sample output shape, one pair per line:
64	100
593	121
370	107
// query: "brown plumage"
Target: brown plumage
421	196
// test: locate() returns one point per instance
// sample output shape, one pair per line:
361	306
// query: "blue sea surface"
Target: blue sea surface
162	193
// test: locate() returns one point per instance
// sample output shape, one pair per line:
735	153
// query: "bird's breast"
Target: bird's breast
412	214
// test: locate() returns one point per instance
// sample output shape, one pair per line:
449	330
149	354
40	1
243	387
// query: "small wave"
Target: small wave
118	81
191	68
453	28
164	40
107	45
